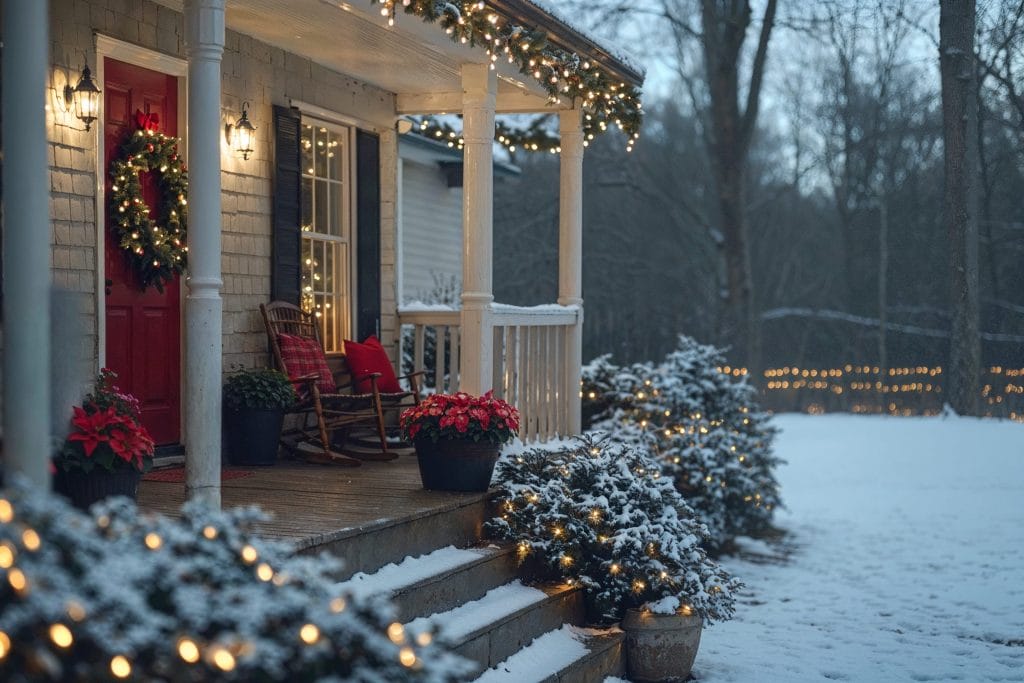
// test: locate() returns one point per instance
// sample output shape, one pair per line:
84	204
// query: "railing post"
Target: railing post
570	257
479	88
204	45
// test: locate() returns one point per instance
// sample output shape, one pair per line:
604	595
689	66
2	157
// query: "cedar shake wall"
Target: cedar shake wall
252	71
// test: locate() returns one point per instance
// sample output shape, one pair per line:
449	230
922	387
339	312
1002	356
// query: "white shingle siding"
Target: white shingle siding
431	229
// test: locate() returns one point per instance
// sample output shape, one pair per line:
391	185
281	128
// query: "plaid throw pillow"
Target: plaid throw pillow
303	356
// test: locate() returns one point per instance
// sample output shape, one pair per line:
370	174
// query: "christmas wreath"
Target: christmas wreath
153	242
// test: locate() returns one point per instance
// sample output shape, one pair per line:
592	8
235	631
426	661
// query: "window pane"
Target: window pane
307	275
337	208
321	205
335	155
307	205
320	152
306	144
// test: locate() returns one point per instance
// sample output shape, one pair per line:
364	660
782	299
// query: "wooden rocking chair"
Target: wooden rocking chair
295	339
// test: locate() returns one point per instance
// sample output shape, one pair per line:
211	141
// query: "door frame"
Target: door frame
170	66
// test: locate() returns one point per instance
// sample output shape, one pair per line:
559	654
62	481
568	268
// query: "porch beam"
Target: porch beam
479	90
26	243
518	102
570	255
204	45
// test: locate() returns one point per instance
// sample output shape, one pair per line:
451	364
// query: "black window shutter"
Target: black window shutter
368	234
285	274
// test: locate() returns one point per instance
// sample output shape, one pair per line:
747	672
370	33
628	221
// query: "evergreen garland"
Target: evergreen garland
703	424
605	101
601	515
153	242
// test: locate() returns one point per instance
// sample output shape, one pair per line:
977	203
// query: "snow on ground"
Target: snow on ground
907	539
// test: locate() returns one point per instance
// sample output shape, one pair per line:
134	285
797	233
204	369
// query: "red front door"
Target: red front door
143	327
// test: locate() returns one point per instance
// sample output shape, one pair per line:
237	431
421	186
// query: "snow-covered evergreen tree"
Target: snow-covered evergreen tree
705	427
118	594
601	514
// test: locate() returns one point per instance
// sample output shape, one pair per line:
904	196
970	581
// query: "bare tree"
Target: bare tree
959	109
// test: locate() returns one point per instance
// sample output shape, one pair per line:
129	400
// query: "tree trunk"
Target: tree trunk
724	32
959	109
883	283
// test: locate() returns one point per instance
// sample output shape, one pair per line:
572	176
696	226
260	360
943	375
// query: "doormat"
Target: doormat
177	474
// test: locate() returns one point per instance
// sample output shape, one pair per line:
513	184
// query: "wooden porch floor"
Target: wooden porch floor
317	504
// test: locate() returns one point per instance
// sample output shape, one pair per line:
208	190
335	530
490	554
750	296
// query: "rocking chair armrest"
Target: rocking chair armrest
418	373
368	375
306	379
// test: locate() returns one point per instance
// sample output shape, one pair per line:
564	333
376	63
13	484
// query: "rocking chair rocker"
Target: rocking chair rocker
330	397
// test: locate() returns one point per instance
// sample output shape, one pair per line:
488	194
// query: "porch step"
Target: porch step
370	546
564	655
504	620
438	581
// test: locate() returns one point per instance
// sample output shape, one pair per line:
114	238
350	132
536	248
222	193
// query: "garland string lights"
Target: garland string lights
155	247
605	101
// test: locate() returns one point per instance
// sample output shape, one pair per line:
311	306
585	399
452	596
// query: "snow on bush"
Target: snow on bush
703	424
601	515
117	593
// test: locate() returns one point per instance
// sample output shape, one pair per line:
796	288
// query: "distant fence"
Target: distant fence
895	391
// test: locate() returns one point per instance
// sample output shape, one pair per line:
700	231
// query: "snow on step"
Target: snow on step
545	656
500	602
394	577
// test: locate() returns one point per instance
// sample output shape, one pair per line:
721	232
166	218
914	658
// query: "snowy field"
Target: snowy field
907	540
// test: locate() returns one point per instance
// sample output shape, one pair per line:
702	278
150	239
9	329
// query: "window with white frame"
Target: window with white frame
327	229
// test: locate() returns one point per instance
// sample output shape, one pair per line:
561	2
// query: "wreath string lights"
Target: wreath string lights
153	241
605	100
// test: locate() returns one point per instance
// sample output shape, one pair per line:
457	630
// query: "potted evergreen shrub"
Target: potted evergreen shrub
602	516
108	448
255	403
457	438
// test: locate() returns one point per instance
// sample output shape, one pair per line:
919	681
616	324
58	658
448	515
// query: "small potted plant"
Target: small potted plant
601	516
108	448
255	403
457	438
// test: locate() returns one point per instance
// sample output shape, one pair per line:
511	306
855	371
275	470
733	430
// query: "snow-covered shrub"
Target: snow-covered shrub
706	429
601	515
117	593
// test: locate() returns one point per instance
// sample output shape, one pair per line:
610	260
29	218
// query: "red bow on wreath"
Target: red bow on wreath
147	121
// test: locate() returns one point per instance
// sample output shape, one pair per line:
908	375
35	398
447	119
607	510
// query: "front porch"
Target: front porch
318	508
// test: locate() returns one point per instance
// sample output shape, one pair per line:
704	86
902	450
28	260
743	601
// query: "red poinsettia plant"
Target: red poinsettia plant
461	416
107	432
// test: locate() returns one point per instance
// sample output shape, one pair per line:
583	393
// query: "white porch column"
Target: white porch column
204	44
26	243
479	92
570	253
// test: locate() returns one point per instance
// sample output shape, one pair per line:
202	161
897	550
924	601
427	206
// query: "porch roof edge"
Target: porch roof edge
571	37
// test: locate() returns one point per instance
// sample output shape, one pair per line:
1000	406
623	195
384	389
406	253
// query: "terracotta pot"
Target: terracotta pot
455	464
660	647
85	489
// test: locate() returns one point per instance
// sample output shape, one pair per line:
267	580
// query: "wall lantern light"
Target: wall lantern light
241	134
84	98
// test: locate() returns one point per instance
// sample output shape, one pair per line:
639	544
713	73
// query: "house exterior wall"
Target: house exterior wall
252	71
431	230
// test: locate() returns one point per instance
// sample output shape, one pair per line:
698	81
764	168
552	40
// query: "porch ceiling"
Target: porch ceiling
414	60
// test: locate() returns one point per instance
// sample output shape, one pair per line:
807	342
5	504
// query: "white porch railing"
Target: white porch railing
530	352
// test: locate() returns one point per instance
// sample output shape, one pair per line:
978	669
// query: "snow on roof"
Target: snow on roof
617	52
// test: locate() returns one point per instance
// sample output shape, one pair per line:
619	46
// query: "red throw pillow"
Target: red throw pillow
367	358
303	356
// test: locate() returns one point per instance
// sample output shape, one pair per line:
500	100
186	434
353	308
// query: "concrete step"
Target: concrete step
564	655
504	620
368	547
438	581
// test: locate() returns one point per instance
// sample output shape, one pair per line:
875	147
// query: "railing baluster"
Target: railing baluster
439	334
497	366
417	348
454	342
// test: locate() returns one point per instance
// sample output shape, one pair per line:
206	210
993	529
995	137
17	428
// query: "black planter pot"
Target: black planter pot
84	489
253	436
456	465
